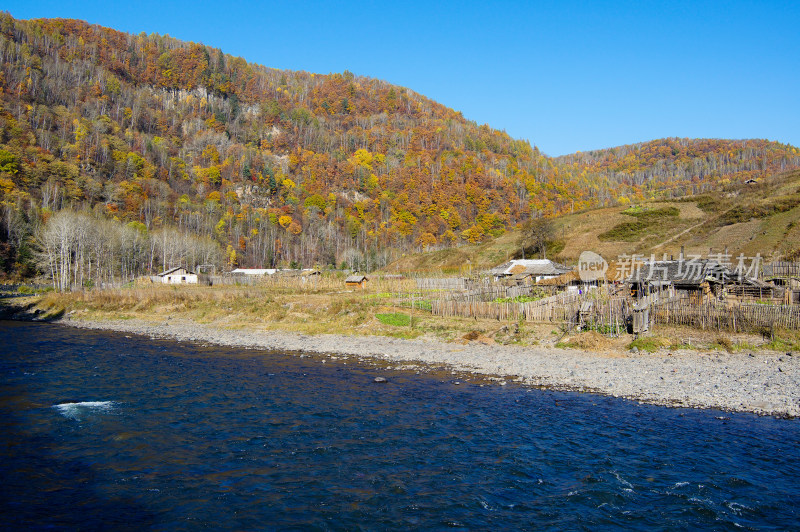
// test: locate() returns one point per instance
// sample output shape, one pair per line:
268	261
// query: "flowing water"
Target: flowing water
102	430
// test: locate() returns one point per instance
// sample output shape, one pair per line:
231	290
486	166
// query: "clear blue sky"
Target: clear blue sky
567	76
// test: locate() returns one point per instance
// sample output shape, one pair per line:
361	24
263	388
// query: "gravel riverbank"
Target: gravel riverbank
763	383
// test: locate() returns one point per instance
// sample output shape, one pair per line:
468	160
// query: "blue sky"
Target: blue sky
567	76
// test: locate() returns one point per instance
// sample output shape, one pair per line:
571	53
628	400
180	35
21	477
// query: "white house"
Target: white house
178	275
535	269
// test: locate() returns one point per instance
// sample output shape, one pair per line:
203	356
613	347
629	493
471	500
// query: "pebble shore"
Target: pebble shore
764	383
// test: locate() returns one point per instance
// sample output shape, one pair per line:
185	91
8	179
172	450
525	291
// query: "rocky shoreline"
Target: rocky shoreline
761	383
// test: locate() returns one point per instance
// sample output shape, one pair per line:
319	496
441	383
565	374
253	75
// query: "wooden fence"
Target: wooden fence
326	282
571	308
441	283
783	269
488	293
612	314
744	317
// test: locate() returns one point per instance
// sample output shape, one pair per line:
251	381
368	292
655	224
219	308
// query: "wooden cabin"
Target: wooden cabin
755	290
356	281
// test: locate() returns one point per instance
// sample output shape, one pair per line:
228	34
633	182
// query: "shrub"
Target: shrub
724	343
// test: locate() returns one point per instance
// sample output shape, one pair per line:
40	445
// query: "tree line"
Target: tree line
79	249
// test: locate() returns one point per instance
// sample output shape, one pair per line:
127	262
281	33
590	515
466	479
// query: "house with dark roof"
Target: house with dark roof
697	279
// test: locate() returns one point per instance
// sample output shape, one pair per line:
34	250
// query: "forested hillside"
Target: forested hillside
164	137
680	167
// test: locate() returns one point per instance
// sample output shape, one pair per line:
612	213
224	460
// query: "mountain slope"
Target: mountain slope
284	167
761	218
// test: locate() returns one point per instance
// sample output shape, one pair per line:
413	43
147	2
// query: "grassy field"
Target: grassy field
308	311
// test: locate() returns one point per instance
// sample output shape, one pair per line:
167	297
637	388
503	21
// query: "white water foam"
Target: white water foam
81	409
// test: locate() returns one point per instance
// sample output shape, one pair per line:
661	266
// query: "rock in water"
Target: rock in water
380	379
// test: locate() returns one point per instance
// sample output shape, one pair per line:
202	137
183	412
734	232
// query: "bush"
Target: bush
724	343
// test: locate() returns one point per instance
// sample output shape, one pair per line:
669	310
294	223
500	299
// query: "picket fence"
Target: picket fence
441	283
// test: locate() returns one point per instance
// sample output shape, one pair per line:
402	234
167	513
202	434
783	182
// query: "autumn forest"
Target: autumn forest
124	154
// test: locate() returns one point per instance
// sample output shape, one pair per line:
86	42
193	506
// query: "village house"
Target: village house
528	271
699	280
177	275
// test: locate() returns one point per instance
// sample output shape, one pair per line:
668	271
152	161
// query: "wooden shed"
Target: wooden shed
356	281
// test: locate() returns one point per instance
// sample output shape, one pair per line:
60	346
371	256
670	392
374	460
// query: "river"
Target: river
106	431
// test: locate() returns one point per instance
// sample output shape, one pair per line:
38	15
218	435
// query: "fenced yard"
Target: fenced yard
594	309
606	312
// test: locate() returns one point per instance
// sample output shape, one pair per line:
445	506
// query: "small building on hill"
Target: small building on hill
177	275
356	281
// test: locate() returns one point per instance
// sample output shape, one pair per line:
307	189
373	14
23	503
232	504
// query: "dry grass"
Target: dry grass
264	307
589	340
